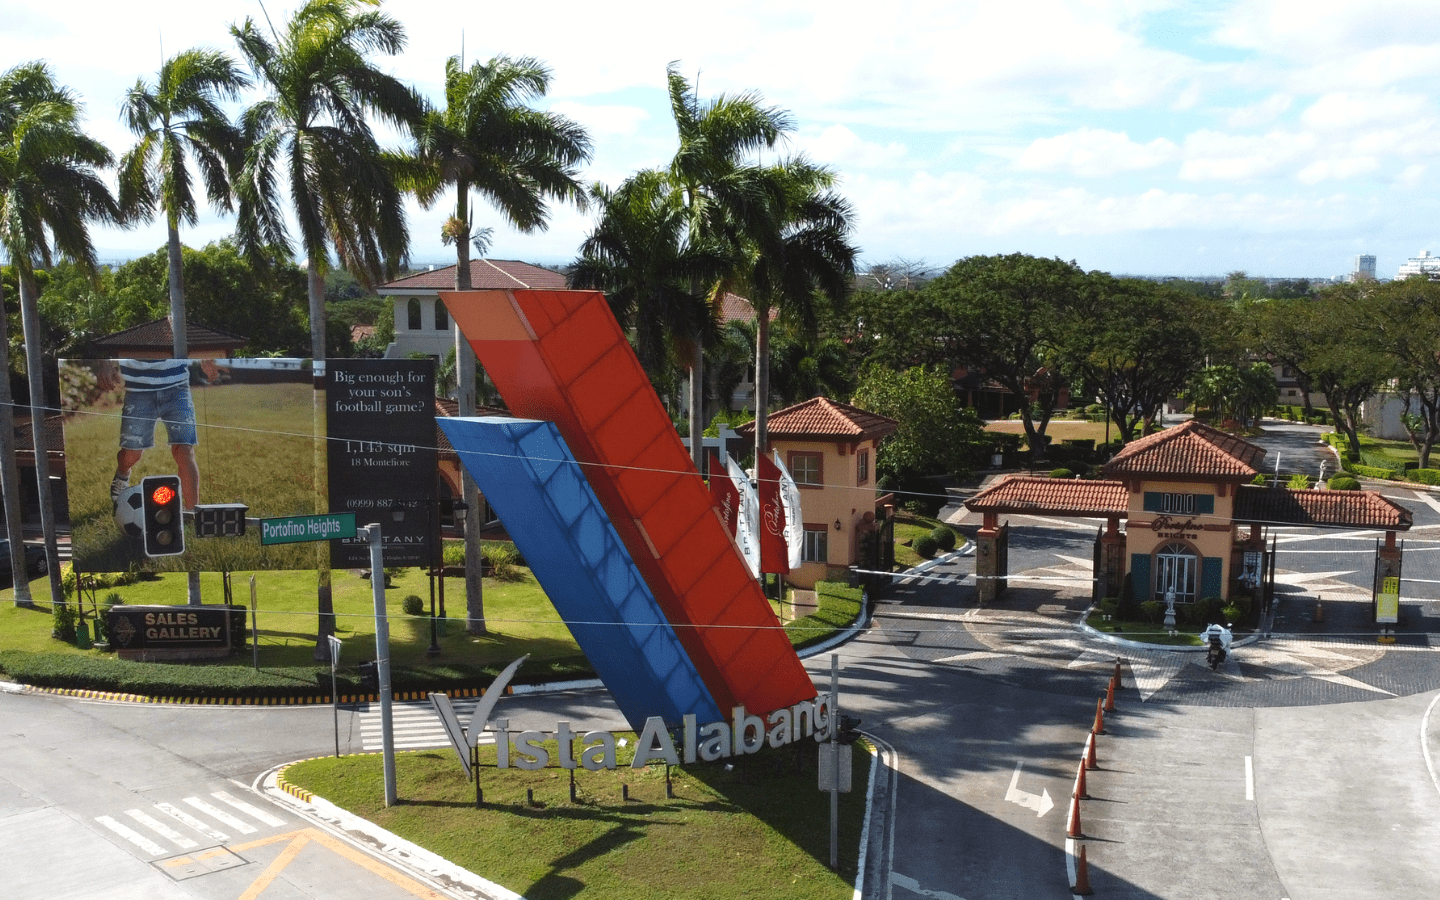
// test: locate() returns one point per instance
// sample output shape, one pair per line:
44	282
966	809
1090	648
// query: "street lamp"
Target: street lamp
437	569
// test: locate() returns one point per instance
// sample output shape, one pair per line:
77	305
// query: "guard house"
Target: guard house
1194	522
829	448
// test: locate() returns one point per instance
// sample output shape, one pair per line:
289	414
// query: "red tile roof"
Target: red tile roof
485	275
157	335
734	308
1335	509
821	417
1189	449
1028	494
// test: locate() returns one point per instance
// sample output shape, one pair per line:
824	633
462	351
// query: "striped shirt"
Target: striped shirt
154	374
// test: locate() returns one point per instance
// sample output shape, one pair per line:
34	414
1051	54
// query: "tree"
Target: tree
312	133
488	140
641	254
1403	319
1136	343
936	435
176	118
797	257
1003	315
1317	338
725	195
51	190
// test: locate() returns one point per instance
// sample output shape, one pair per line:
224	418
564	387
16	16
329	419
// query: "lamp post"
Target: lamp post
437	570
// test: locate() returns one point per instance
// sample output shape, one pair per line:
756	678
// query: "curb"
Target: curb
308	700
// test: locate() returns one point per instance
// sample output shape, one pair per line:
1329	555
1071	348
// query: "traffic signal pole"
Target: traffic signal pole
382	655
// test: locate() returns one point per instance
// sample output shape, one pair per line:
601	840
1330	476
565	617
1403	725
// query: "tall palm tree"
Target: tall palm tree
725	192
641	255
50	191
797	256
488	140
312	133
177	117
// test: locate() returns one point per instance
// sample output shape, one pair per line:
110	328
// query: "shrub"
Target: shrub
1152	610
1299	482
112	599
1258	480
413	605
1110	606
453	553
925	545
944	538
1343	483
1061	473
62	622
1379	460
1425	476
502	559
1232	613
1238	610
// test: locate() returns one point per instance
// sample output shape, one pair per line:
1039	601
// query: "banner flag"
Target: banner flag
794	522
746	531
725	495
774	555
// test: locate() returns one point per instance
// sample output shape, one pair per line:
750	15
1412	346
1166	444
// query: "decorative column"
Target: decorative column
1112	558
987	559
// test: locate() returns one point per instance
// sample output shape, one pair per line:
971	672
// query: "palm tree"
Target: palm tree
640	254
177	117
50	190
725	195
798	255
487	140
312	133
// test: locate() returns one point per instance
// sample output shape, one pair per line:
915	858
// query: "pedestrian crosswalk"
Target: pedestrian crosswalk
416	726
163	827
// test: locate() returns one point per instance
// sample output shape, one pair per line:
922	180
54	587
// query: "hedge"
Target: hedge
1424	476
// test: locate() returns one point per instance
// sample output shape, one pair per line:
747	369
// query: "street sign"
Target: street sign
298	529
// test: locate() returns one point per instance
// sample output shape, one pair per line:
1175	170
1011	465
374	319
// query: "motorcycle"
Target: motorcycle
1216	655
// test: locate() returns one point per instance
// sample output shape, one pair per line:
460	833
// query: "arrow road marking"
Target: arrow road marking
1040	802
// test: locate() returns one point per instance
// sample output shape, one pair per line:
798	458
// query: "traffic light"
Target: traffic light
220	519
163	525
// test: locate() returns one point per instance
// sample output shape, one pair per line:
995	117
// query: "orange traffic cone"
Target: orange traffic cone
1080	793
1082	876
1072	825
1116	677
1110	696
1099	726
1090	762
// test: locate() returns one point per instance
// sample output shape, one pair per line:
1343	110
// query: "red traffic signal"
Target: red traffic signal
162	523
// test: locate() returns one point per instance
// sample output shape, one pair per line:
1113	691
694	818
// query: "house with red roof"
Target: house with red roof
830	448
1193	520
422	324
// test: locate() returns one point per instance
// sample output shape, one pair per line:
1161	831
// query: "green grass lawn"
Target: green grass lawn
757	828
908	527
1145	632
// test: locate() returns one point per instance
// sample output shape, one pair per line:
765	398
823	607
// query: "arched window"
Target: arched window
1175	566
413	311
442	319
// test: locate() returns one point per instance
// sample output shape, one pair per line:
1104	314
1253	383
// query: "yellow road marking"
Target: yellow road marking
298	840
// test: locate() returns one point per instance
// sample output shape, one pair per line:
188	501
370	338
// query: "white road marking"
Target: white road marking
254	811
161	828
221	816
913	886
1249	778
132	836
183	816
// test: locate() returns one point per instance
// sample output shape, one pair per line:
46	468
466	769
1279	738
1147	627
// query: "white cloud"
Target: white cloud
1336	169
839	147
1216	156
1262	113
1094	152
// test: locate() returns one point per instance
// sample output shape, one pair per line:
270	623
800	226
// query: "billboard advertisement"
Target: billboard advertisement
380	416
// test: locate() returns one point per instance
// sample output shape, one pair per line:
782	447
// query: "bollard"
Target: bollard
1110	696
572	785
1072	825
1090	762
1082	876
529	796
625	792
1080	793
1099	726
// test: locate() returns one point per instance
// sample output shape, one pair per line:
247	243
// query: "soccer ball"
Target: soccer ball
130	512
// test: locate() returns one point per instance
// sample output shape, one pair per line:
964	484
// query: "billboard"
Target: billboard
380	416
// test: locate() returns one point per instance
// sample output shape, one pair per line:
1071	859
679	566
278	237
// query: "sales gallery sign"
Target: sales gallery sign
165	628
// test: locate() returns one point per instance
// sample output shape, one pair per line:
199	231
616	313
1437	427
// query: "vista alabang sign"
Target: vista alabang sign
742	735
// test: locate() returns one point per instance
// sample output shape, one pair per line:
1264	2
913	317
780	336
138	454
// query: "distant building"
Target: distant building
1364	268
1424	264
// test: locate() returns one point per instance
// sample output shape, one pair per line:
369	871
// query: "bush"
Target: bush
62	622
1258	480
1343	483
944	538
502	559
1061	473
1379	460
412	605
112	599
926	545
1424	476
1152	610
1299	482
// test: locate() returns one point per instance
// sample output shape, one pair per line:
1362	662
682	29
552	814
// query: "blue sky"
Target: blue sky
1281	137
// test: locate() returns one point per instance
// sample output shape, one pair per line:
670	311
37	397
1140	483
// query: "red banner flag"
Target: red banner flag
774	555
724	494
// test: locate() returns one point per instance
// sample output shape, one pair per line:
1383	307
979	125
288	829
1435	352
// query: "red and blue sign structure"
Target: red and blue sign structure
602	499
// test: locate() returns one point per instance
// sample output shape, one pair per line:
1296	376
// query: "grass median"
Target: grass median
752	826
